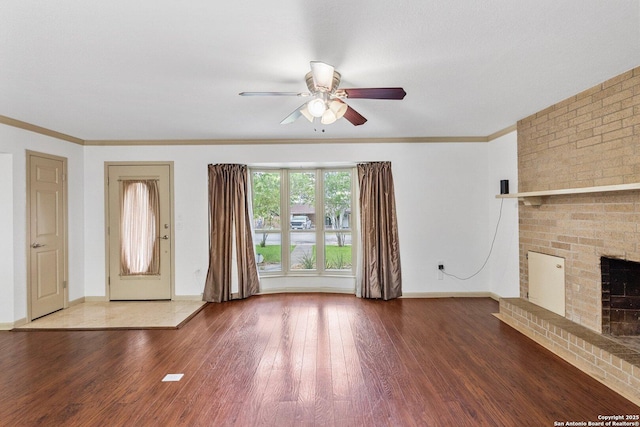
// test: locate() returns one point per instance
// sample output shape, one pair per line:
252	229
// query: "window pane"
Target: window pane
266	200
268	251
337	200
266	220
303	251
302	198
337	251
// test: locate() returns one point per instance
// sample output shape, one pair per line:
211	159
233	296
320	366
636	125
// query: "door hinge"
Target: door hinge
109	280
64	284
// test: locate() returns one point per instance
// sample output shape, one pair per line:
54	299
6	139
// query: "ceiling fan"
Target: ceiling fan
327	100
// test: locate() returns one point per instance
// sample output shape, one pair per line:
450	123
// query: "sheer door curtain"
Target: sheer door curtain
230	227
139	228
379	274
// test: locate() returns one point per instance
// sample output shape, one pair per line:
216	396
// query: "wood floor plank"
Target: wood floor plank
360	401
305	402
302	360
339	380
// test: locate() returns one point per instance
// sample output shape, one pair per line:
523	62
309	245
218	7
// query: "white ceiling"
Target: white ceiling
170	69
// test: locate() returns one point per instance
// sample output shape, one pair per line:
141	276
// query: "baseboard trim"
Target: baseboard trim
7	326
76	302
187	297
20	322
96	299
290	290
450	295
404	295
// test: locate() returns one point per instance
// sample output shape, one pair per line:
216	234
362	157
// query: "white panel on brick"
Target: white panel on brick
546	281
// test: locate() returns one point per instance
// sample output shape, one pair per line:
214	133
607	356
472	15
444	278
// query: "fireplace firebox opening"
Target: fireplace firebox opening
620	297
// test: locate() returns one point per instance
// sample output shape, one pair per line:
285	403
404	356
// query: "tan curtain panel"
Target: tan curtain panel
380	274
139	228
229	218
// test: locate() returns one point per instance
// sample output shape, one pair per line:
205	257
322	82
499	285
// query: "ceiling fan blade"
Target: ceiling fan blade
300	111
354	117
322	75
274	94
376	93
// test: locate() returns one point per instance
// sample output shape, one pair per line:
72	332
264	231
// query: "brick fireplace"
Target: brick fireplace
589	142
591	139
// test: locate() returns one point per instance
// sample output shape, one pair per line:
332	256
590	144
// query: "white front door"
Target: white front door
46	234
139	231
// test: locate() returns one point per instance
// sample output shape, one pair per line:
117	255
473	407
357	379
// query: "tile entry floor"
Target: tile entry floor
119	315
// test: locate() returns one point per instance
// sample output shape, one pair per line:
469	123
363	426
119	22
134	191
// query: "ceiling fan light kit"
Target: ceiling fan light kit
338	108
317	106
305	112
327	103
335	110
328	117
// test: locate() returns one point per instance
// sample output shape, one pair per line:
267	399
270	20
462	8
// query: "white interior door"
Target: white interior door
139	232
46	235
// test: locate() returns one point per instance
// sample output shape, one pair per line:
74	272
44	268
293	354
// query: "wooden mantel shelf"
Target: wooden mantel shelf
534	198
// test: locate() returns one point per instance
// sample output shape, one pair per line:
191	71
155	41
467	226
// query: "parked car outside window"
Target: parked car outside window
300	222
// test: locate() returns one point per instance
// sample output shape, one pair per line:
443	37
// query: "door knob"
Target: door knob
165	237
37	245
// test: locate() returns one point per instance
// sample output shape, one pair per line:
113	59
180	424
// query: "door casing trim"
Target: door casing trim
65	244
106	220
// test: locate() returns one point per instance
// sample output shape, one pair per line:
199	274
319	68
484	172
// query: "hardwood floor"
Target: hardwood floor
301	359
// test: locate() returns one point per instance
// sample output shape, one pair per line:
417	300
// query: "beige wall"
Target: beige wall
590	139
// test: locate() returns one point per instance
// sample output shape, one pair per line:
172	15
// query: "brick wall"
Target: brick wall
590	139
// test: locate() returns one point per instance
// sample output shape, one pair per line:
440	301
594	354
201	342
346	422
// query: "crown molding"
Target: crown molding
284	141
39	129
177	142
502	132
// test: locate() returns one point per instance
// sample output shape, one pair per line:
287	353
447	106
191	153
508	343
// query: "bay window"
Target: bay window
303	221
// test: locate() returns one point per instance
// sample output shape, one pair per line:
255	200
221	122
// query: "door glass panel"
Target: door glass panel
139	228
